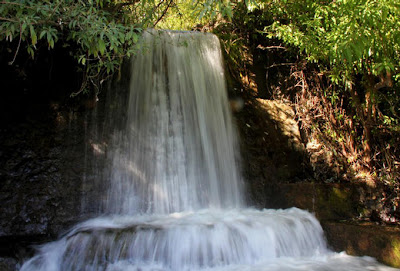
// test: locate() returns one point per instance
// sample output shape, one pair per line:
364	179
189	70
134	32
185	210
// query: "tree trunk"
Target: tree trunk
368	127
365	117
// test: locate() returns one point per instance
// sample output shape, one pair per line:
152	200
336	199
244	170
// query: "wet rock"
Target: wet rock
359	239
328	201
35	174
8	264
47	166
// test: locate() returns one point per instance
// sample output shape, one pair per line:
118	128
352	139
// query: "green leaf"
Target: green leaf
31	52
33	35
51	43
23	27
42	34
135	37
101	46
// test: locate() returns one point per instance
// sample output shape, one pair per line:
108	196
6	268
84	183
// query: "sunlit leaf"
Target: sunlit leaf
33	35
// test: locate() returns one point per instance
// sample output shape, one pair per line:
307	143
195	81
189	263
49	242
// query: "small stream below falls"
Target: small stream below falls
173	196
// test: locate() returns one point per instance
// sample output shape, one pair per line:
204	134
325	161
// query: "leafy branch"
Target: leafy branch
99	33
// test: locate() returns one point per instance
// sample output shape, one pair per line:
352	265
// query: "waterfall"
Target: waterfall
174	198
178	150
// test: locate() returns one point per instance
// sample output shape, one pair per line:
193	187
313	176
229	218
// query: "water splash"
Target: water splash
185	241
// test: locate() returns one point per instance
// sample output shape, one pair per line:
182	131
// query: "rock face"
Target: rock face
283	117
47	148
41	170
382	243
8	264
328	201
272	150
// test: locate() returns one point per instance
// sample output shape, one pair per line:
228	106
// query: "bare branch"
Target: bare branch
280	64
19	44
164	12
270	47
8	20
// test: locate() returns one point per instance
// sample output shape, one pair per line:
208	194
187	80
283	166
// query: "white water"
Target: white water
175	198
179	148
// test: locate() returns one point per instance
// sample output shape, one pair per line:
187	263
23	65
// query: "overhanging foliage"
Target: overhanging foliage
98	33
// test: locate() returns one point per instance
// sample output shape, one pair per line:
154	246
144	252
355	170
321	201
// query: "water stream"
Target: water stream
174	198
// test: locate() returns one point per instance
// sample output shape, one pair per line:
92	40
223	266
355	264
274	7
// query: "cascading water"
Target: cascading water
175	198
177	152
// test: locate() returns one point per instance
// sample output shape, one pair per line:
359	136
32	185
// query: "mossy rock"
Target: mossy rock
359	239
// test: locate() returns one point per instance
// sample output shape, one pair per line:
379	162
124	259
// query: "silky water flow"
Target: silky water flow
175	199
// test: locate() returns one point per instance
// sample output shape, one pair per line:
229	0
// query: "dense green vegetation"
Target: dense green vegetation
336	61
353	42
98	33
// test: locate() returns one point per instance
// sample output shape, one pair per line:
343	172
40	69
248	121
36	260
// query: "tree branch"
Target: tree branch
270	47
118	6
280	64
19	44
16	4
164	12
8	20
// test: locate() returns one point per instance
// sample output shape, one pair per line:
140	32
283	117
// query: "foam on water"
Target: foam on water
235	239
